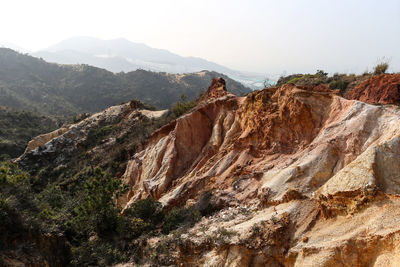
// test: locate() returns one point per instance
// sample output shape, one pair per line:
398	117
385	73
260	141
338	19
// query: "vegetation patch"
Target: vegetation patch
17	128
82	213
183	106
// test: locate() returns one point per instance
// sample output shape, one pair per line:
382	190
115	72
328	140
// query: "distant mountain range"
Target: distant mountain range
122	55
30	83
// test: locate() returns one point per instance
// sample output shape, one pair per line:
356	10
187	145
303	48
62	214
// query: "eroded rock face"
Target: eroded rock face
307	178
44	138
381	89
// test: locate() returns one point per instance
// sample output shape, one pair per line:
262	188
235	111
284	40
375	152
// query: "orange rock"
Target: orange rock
283	163
216	89
44	138
381	89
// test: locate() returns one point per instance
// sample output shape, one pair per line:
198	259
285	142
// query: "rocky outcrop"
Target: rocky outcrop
92	141
217	89
44	138
306	178
380	89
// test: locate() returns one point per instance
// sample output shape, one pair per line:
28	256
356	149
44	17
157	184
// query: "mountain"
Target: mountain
122	55
294	175
32	84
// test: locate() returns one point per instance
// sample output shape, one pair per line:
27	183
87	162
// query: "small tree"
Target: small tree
381	68
148	210
267	83
98	212
321	73
382	65
183	106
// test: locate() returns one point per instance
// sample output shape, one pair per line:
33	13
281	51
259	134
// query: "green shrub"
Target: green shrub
173	219
130	228
182	106
11	174
95	135
222	235
145	215
148	210
178	217
321	73
82	208
339	84
381	68
52	196
295	80
98	212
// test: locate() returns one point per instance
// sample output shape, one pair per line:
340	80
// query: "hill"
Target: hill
29	83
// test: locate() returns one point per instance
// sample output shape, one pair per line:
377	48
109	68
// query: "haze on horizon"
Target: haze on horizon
272	37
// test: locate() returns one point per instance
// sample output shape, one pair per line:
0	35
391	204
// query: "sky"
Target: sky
264	36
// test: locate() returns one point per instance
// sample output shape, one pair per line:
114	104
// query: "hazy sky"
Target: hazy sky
266	36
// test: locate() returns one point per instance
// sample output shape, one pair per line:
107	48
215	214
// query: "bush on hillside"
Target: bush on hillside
148	210
97	134
339	84
98	212
82	211
381	68
178	217
319	77
182	106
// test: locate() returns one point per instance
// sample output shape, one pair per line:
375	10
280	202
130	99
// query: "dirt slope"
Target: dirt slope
382	89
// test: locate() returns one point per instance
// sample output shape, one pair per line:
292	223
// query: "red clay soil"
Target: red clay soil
216	89
382	89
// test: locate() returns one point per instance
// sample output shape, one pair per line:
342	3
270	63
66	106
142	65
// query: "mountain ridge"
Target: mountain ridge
33	84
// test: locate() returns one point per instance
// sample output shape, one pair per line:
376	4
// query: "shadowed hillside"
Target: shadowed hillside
17	128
